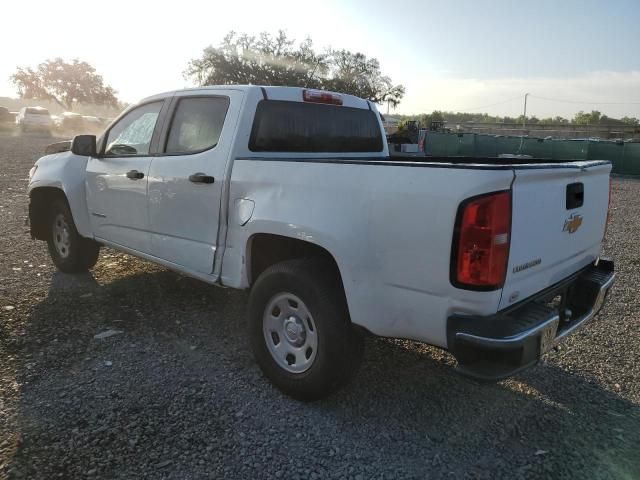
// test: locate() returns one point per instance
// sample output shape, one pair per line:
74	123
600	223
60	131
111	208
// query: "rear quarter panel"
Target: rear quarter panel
389	228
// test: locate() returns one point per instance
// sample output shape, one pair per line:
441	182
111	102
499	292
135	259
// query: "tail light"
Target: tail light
318	96
481	242
606	225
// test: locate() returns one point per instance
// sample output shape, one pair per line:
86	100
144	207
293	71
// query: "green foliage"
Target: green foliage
64	83
437	116
630	120
460	118
553	121
277	60
582	118
358	75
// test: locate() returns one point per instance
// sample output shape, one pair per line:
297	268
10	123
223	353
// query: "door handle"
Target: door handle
135	175
201	178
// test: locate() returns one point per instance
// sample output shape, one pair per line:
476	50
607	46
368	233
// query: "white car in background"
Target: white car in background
69	122
34	118
92	124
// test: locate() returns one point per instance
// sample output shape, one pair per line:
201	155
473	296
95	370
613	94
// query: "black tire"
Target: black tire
79	254
339	347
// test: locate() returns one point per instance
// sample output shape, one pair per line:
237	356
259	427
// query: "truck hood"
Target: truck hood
58	147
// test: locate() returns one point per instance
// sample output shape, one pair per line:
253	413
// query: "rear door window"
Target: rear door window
283	126
196	124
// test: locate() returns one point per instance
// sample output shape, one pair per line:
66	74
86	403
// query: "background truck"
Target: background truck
292	193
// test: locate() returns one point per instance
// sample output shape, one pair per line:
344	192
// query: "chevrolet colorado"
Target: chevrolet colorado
292	193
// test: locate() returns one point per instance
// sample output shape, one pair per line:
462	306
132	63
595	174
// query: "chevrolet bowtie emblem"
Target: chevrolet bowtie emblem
572	224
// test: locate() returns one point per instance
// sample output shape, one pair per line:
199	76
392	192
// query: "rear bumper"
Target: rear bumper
500	345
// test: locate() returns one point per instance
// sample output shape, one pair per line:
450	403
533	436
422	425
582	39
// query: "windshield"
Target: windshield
37	111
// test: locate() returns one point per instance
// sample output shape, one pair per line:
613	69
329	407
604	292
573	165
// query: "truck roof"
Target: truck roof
291	94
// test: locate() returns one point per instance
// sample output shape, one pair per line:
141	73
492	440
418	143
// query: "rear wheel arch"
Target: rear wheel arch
267	249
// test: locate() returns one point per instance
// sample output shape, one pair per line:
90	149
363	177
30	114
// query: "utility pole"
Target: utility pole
524	124
524	117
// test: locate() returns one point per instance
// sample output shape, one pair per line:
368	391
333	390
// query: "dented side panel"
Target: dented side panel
389	228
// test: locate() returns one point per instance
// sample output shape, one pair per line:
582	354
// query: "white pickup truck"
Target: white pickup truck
292	193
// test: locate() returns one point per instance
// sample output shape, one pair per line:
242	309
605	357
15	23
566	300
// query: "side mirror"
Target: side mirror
84	145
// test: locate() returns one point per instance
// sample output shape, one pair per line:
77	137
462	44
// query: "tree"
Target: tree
630	120
64	83
582	118
262	60
436	116
358	75
277	60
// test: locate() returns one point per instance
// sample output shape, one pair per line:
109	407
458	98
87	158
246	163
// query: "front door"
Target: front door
186	179
117	179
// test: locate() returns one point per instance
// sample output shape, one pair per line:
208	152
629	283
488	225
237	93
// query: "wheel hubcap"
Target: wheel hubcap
294	331
290	333
61	235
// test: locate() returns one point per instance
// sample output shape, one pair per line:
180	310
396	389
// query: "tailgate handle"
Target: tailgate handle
575	195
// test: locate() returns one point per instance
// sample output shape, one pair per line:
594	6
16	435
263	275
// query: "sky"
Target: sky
479	56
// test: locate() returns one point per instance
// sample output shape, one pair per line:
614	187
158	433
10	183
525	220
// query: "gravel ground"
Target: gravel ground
177	395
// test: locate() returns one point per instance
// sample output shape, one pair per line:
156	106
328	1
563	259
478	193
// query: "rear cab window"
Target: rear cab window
289	126
37	111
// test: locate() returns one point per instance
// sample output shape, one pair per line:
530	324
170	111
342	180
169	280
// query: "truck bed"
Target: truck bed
503	161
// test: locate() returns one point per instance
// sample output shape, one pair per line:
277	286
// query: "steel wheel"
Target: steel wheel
61	235
290	333
299	328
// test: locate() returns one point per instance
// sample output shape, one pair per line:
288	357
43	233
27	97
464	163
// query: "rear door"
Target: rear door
186	180
116	179
558	221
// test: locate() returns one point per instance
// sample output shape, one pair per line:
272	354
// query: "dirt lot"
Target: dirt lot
177	395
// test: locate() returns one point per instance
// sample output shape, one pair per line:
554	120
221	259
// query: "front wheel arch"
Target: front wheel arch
70	251
40	201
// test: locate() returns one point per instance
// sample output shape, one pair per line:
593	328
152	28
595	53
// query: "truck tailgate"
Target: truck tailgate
559	214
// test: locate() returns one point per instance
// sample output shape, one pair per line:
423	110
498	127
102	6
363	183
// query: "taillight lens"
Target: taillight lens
481	242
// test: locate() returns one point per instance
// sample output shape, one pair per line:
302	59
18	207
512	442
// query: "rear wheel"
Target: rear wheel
70	252
300	331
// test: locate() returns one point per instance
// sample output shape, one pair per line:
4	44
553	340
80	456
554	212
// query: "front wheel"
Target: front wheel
70	252
300	330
